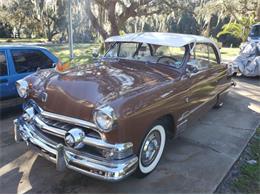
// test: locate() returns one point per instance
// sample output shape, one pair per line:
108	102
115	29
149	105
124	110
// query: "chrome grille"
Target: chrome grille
51	126
56	124
55	131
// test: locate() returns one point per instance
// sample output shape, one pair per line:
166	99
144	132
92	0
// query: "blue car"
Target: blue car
17	62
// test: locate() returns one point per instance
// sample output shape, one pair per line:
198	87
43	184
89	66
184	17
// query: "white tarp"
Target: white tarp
248	61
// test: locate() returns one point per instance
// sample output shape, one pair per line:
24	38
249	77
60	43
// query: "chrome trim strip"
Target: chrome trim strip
188	113
182	123
184	115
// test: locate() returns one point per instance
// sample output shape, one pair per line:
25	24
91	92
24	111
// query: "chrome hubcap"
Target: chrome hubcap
150	148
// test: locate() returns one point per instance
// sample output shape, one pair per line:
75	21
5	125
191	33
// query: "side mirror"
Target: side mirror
188	73
54	65
95	53
195	69
190	70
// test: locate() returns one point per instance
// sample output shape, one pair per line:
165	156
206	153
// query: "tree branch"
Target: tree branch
131	11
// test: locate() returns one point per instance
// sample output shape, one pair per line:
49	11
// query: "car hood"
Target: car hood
83	88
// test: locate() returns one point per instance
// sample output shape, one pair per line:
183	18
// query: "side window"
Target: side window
175	52
212	56
30	60
3	64
127	50
112	53
200	57
144	51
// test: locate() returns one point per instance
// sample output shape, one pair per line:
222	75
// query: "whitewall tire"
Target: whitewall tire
152	149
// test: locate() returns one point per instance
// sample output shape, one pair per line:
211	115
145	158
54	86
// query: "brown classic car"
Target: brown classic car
111	118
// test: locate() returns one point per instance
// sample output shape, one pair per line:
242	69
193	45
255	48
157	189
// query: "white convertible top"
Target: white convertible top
160	38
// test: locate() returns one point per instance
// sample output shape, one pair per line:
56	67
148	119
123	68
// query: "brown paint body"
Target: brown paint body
139	92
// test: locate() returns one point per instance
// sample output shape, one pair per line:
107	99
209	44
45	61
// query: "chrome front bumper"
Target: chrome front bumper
65	157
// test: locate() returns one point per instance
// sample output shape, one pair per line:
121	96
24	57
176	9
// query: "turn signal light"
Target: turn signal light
62	67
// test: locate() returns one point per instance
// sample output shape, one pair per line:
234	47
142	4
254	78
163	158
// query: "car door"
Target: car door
4	75
202	80
219	70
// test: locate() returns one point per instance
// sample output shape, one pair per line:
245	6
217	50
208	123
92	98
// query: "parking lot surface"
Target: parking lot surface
195	162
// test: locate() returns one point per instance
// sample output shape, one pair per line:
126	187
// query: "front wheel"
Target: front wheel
151	150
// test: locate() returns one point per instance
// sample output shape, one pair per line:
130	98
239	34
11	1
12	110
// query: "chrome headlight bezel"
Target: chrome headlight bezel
22	88
105	113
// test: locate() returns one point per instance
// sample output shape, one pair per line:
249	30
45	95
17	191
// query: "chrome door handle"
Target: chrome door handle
3	81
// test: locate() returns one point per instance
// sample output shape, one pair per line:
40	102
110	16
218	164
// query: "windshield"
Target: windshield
172	56
255	32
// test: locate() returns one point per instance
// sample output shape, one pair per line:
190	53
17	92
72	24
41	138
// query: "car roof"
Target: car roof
258	24
19	46
160	38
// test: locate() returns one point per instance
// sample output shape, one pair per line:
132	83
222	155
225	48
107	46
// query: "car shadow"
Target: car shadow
10	112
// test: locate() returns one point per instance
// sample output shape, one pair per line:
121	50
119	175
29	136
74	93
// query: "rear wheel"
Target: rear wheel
219	103
152	149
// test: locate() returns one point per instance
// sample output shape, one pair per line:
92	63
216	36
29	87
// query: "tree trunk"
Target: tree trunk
49	32
258	11
112	17
18	33
49	37
207	32
94	20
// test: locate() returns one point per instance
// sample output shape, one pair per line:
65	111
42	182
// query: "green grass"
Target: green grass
82	52
228	54
249	179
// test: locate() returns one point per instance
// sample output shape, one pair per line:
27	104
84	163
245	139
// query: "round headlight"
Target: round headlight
22	88
104	118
